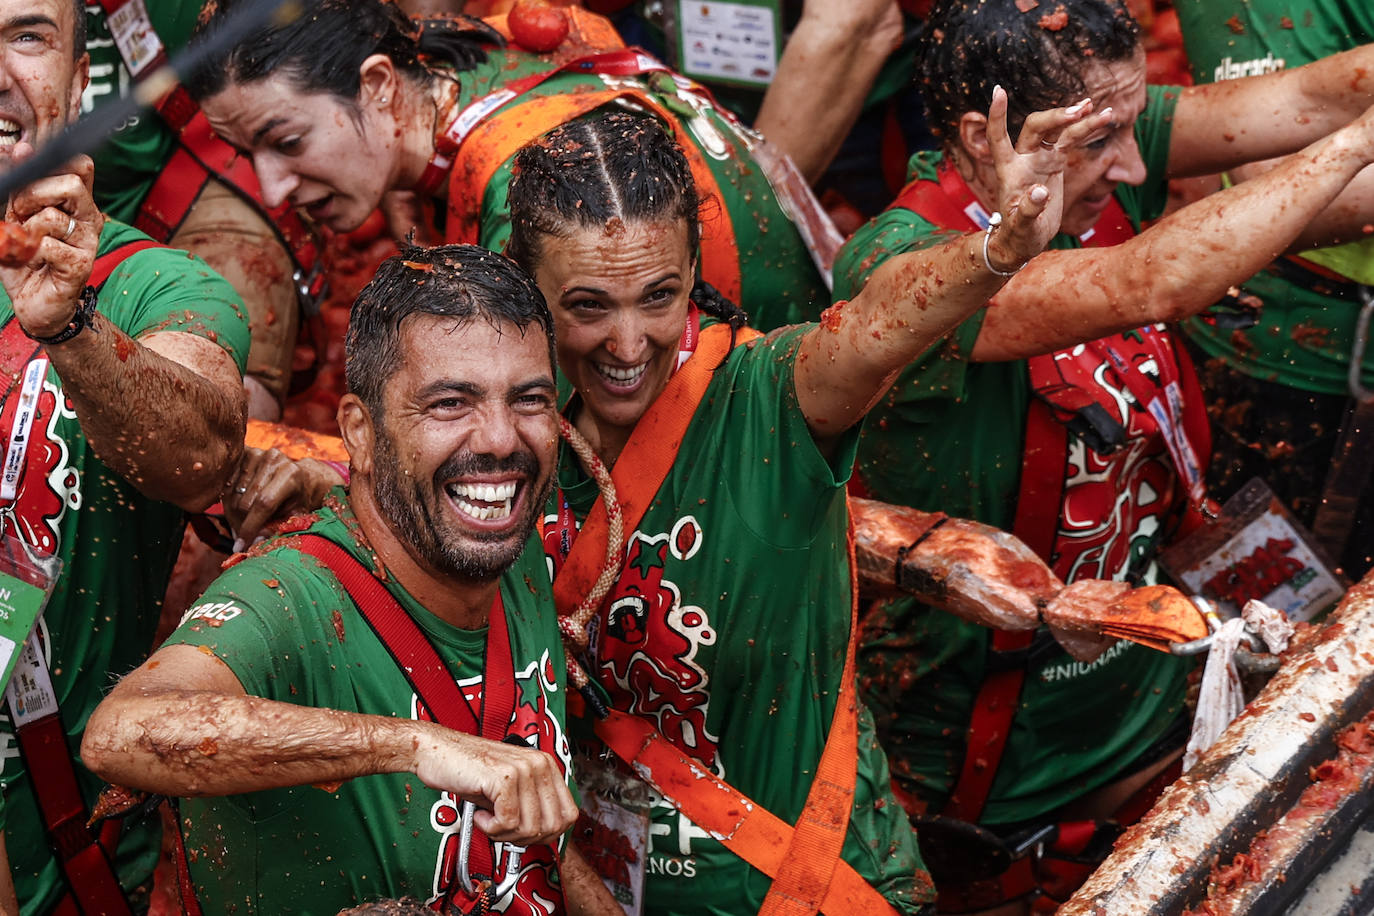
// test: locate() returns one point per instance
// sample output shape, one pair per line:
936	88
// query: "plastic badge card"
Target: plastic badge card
737	42
1255	550
613	826
26	581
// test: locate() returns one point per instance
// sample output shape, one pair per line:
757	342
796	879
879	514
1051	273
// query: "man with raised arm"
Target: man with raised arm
345	690
123	406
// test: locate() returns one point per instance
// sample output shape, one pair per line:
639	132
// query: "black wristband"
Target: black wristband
81	319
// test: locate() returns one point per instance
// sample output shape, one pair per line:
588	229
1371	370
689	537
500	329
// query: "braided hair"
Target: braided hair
611	165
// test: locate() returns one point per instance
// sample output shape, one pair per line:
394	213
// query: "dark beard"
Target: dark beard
413	515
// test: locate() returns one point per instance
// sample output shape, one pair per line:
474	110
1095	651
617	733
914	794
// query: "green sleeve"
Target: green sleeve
891	232
494	232
773	457
262	617
163	289
1153	133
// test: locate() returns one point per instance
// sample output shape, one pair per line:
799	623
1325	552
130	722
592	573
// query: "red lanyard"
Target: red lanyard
17	366
624	62
1164	401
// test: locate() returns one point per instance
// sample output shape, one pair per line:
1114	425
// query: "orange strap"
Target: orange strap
294	442
493	142
804	862
645	461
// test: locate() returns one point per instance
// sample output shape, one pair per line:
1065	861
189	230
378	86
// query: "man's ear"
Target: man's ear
378	82
359	436
80	79
973	137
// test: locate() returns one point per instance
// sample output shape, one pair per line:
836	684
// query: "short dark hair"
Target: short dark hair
1038	56
459	281
78	28
322	48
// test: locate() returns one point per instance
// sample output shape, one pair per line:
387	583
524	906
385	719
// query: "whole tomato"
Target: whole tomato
538	25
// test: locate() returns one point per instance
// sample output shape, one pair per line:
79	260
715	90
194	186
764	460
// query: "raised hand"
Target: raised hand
1030	174
45	291
270	486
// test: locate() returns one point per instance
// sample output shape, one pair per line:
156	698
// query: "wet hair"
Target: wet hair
79	28
610	166
459	281
1038	56
322	48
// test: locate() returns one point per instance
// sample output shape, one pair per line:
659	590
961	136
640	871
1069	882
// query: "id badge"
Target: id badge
134	35
1255	549
728	42
27	579
613	826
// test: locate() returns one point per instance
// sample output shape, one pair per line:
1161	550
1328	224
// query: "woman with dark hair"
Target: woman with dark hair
720	624
1063	412
351	100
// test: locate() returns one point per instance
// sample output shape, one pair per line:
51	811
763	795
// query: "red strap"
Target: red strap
106	264
190	903
424	669
949	203
989	727
84	864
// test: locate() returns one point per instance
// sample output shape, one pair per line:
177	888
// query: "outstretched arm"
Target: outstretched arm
848	361
829	65
181	724
1221	125
165	412
1178	266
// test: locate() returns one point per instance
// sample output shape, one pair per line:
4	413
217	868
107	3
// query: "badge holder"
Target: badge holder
1255	549
27	579
736	43
613	827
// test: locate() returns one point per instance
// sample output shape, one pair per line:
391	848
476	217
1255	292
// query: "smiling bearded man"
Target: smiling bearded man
290	673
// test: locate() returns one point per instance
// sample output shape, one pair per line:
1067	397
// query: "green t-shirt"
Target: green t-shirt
288	630
779	282
1303	337
738	575
129	162
948	437
117	546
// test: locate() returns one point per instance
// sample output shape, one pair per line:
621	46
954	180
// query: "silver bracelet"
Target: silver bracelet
993	222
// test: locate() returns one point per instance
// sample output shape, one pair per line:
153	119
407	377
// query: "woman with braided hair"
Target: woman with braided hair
720	627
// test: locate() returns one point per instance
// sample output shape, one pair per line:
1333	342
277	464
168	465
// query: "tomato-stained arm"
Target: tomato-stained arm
850	359
1177	267
166	412
825	73
181	724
